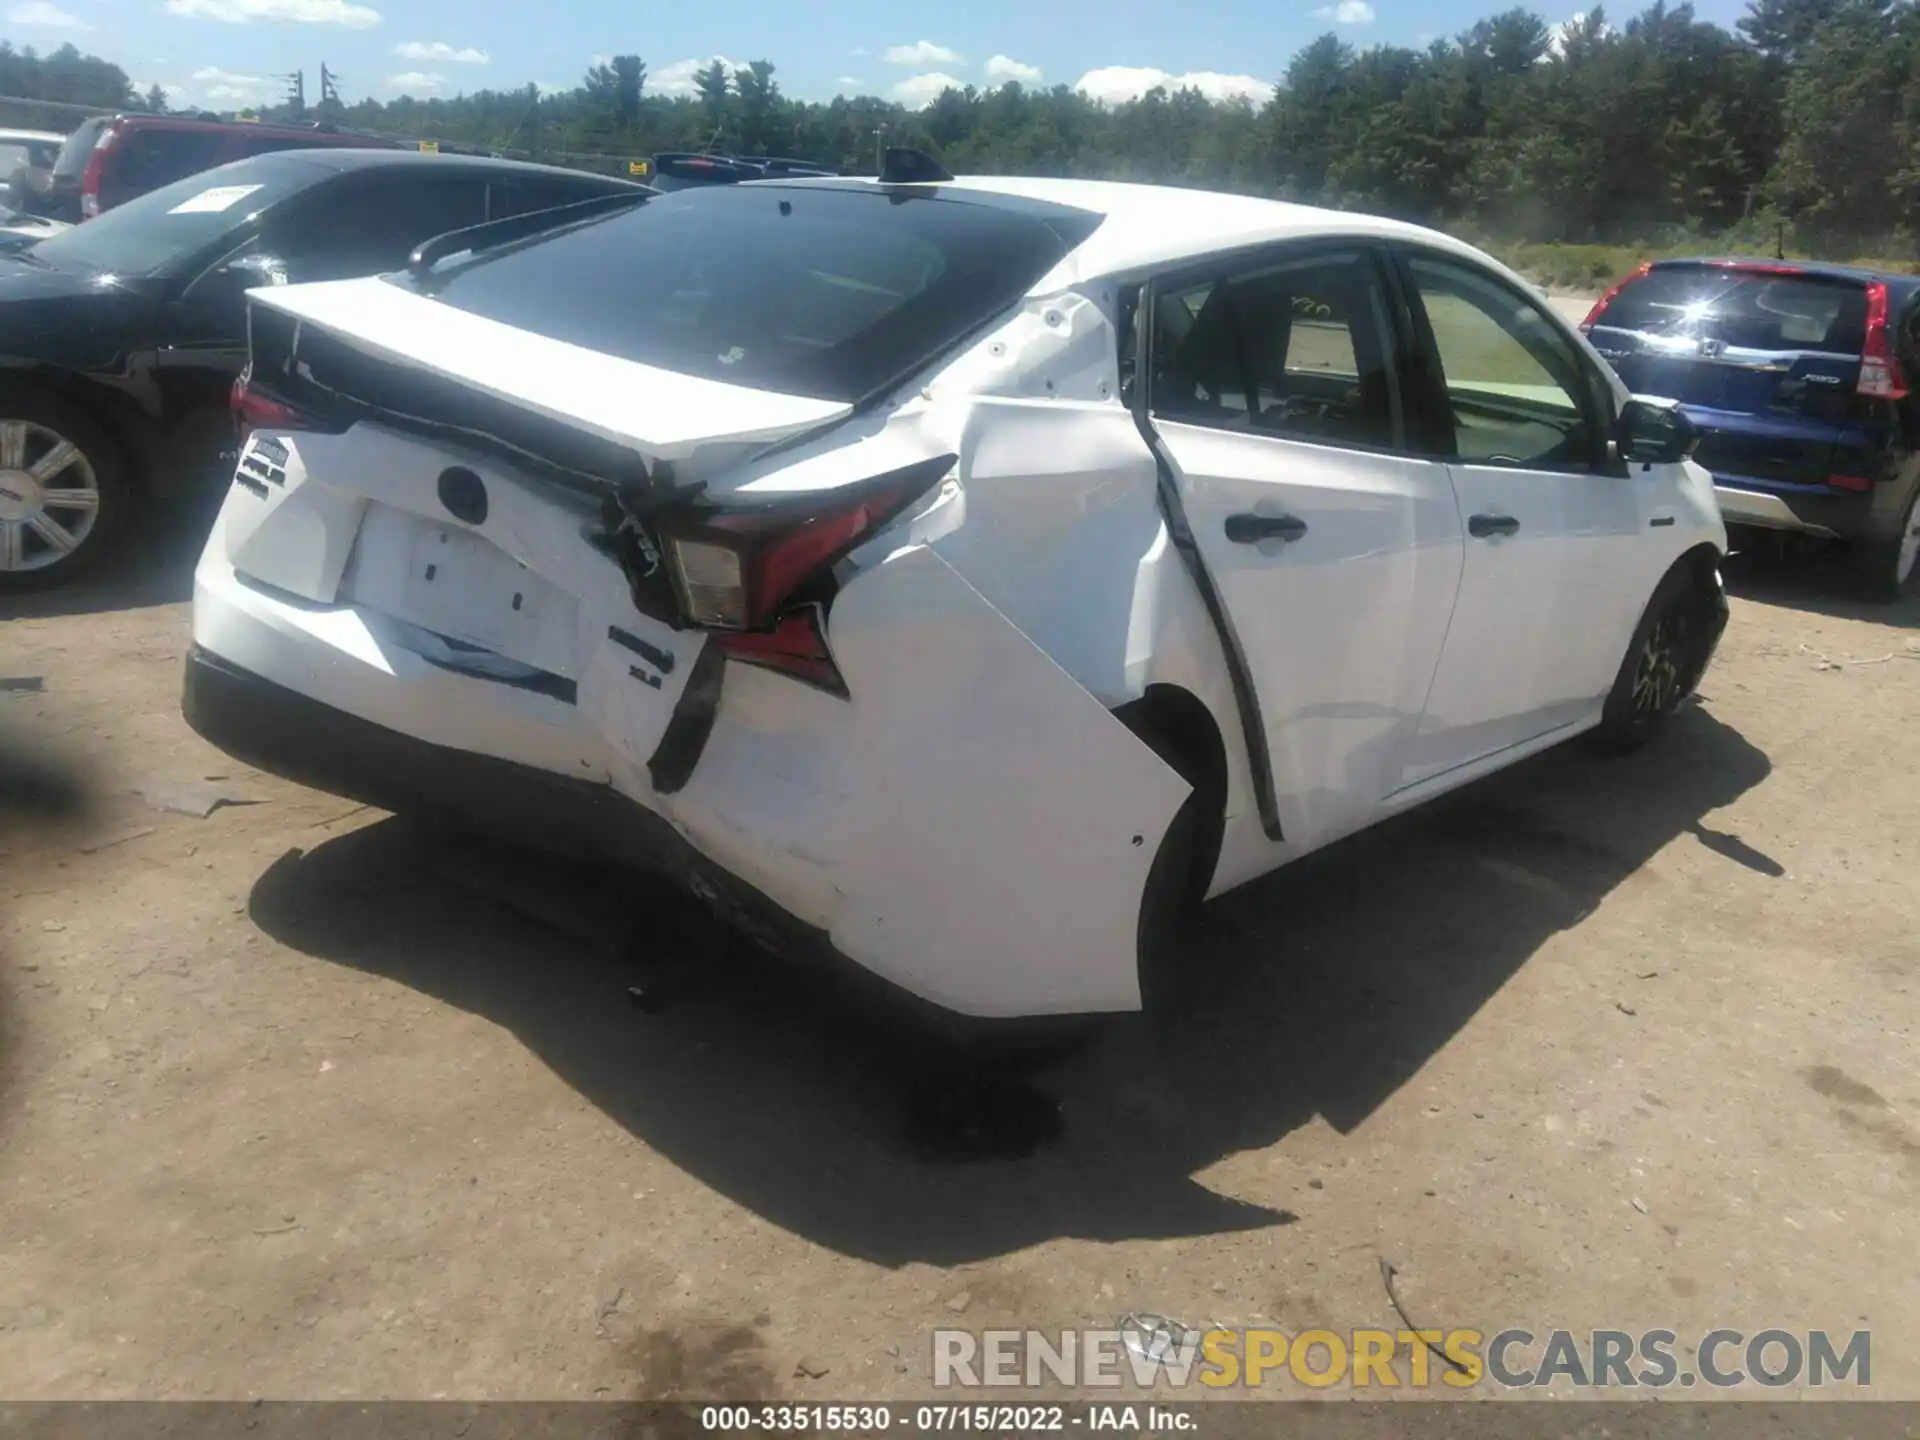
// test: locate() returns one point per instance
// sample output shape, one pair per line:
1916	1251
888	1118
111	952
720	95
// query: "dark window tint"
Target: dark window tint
148	159
1299	349
828	292
1749	309
364	225
271	144
1516	390
518	196
73	155
167	230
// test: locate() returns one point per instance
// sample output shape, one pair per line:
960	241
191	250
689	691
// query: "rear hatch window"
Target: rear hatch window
1774	355
823	291
73	155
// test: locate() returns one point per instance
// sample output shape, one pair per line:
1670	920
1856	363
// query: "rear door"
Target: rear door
1276	397
1766	359
1553	581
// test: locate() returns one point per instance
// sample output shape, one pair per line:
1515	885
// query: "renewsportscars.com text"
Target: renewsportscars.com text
1394	1359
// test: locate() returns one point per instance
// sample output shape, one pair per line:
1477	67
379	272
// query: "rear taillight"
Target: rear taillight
736	568
95	172
741	570
1607	299
254	409
1850	482
1880	372
796	646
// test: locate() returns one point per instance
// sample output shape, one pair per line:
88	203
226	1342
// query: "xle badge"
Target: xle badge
643	677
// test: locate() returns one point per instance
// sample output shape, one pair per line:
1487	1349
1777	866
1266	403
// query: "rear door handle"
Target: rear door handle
1251	529
1481	526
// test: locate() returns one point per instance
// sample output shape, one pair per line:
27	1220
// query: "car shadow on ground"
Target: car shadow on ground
152	564
1815	577
1315	992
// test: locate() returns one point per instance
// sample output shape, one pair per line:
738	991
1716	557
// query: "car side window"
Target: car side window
517	196
1516	392
1299	349
363	227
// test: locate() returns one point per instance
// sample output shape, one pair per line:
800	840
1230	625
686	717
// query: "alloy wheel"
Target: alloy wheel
1663	660
49	496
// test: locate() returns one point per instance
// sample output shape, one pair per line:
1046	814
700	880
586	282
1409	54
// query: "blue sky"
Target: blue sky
224	53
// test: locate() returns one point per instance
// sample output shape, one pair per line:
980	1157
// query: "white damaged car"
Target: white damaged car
954	575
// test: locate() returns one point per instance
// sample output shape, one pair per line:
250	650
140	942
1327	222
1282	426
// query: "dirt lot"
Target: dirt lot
290	1107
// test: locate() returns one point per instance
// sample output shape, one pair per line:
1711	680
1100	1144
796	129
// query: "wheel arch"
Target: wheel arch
1182	730
117	416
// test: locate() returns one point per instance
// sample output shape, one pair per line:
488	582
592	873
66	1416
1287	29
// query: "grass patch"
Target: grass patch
1595	267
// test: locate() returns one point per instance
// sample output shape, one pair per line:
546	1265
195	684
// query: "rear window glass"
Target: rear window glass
152	158
1754	311
814	291
73	155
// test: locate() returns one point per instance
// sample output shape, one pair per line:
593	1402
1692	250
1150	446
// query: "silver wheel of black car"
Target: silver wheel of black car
60	491
49	496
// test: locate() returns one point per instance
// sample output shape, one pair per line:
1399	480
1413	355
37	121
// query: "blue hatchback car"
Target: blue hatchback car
1797	376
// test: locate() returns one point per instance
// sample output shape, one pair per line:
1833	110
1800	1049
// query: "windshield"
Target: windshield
161	231
811	290
1753	310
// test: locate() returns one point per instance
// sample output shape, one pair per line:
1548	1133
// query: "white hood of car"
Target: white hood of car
661	413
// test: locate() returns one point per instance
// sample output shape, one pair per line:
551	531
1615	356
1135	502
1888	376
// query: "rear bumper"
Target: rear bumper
285	733
1813	510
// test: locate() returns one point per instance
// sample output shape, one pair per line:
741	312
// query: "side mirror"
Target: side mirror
1655	432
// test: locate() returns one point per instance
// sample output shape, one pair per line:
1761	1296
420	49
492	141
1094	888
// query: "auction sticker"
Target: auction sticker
220	197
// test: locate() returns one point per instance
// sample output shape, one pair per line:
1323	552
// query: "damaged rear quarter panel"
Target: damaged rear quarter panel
974	826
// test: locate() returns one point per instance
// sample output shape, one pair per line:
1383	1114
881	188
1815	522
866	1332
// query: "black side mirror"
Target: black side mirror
1655	432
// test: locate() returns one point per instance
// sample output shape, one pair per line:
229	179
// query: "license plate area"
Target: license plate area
458	584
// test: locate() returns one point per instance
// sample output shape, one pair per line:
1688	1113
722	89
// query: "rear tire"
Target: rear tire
63	491
1171	896
1886	568
1662	665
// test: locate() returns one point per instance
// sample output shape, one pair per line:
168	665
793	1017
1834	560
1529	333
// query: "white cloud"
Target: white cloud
677	78
292	12
860	50
39	12
921	52
1117	83
1557	34
1002	68
415	80
920	91
849	82
1346	12
441	51
179	97
225	89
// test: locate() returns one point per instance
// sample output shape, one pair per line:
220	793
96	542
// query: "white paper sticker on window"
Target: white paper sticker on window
218	198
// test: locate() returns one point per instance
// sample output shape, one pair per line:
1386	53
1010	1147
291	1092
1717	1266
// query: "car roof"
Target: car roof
344	158
1819	269
1153	227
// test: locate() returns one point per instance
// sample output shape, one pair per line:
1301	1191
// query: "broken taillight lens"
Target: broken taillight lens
1880	372
796	646
740	569
737	567
255	409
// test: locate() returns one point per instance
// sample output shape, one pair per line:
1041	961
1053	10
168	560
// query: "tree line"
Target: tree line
1803	120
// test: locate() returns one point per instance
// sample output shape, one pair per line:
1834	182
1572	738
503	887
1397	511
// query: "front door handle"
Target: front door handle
1251	529
1481	526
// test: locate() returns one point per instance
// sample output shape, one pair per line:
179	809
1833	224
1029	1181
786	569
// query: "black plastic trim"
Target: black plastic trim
1246	698
686	734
